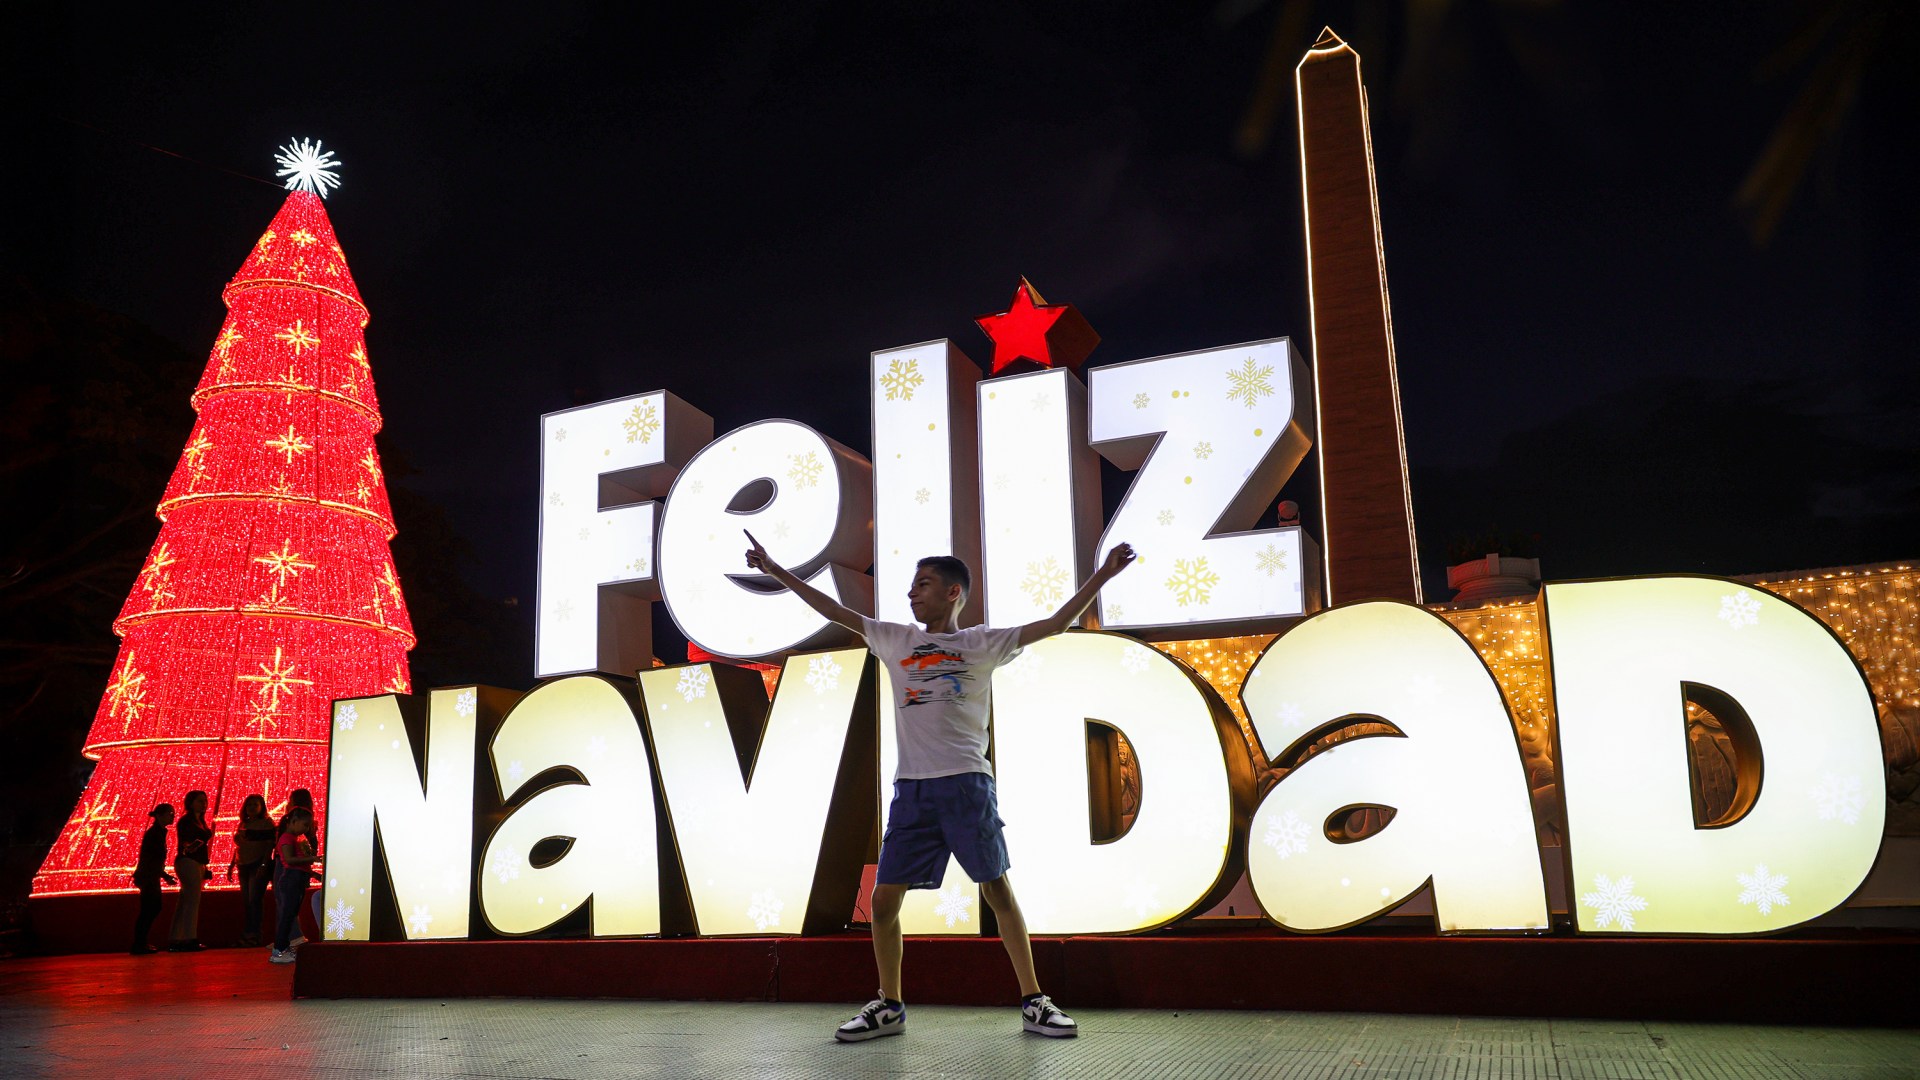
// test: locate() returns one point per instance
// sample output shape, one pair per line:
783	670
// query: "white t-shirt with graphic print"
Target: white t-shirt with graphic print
942	693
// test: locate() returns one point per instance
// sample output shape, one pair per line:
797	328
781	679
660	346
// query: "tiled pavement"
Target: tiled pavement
227	1013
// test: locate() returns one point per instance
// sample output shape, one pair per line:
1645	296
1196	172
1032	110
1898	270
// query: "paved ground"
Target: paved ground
227	1013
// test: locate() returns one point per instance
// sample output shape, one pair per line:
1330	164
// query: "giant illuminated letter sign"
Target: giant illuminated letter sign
1810	806
1214	435
572	754
601	467
1453	777
771	808
421	818
1196	782
807	498
926	501
1039	494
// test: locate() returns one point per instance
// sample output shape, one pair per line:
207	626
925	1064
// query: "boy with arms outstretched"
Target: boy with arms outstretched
943	794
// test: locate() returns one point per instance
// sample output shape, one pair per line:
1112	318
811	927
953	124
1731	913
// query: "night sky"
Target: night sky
1598	356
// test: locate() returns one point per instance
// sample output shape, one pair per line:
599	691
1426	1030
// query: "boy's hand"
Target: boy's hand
1119	557
757	557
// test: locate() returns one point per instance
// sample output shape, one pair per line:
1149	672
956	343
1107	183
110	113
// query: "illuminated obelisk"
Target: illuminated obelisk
1367	507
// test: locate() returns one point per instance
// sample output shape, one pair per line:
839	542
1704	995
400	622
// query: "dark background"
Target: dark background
1652	265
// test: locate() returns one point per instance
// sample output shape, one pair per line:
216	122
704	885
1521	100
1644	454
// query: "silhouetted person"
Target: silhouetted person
147	874
252	852
192	836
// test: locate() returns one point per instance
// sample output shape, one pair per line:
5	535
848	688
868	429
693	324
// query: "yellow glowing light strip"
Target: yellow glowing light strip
221	496
93	750
120	624
361	407
236	288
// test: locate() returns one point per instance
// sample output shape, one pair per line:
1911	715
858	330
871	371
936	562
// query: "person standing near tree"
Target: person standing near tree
295	853
147	874
192	836
944	800
252	851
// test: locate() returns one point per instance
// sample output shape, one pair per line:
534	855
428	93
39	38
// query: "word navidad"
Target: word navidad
688	803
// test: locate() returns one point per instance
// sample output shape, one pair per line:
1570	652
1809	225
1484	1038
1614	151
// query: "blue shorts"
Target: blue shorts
934	817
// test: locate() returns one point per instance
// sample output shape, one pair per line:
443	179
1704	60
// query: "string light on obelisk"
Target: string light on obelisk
307	167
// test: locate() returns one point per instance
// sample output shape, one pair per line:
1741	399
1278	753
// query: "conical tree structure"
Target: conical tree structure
270	591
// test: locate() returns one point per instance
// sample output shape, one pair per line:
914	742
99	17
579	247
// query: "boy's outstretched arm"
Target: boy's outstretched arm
832	609
1119	557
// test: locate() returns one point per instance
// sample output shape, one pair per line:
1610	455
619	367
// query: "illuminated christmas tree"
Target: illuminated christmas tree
270	591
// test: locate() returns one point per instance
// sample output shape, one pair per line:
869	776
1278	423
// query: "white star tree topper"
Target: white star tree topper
307	168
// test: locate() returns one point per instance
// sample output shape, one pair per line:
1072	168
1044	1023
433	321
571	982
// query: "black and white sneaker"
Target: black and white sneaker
1040	1015
880	1017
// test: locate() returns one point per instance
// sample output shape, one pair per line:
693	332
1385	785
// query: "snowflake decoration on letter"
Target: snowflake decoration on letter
1248	384
823	674
515	770
921	495
1192	582
1046	581
339	920
1023	668
596	748
901	380
463	705
1272	560
764	909
693	683
344	716
418	922
506	866
953	906
1286	834
1203	450
1142	897
307	167
1839	797
1613	901
1739	609
1134	658
1763	889
1165	518
806	469
642	424
1140	401
1291	714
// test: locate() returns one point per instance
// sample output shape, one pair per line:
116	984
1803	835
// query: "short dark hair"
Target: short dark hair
950	570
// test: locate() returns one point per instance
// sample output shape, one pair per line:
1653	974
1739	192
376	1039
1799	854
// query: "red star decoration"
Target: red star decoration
1051	335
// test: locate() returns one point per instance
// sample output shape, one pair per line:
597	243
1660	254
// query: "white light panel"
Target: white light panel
1463	815
749	846
1620	651
816	521
425	830
582	723
1176	851
601	466
1039	494
1214	435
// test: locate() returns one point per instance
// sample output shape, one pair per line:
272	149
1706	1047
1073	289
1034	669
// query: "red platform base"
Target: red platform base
1840	978
103	922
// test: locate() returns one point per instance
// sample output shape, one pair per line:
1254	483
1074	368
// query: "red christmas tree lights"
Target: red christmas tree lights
270	591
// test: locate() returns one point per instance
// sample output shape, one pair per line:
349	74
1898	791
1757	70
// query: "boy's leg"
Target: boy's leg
886	937
998	894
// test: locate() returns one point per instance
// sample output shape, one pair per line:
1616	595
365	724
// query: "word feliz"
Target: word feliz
639	502
686	802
